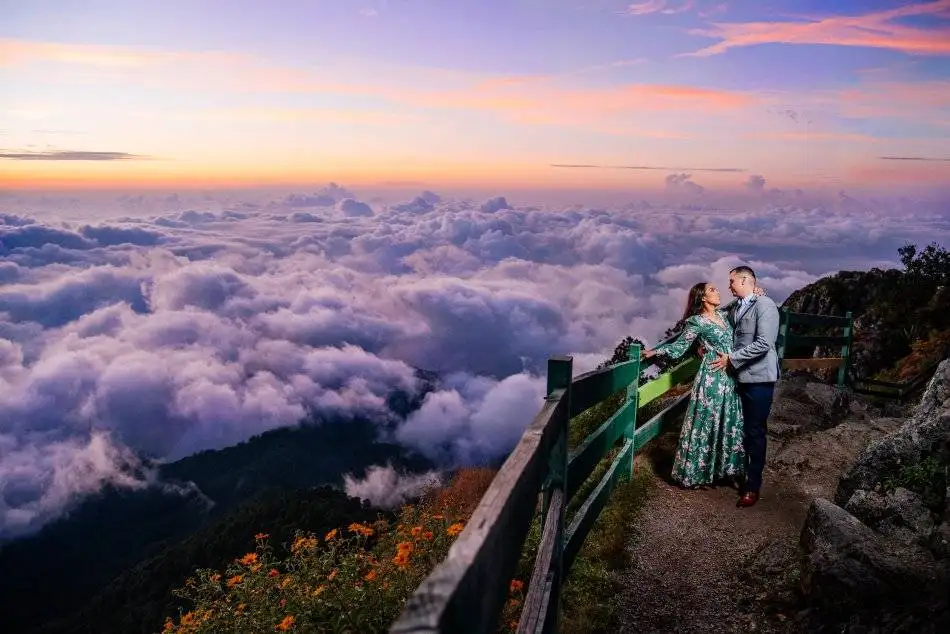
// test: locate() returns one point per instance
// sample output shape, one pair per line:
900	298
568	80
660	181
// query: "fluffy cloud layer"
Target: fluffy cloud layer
137	332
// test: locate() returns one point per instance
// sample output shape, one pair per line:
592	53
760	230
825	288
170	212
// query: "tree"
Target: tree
930	265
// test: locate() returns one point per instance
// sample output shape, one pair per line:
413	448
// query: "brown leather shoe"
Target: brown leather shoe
748	499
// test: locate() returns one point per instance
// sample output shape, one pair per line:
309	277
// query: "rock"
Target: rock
900	514
926	431
868	506
801	402
852	574
940	541
783	430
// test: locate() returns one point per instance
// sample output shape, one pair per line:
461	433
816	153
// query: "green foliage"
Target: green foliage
927	478
930	265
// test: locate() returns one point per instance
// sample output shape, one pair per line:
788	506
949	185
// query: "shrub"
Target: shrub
352	579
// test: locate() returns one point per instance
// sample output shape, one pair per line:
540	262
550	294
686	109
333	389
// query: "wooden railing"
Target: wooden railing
899	391
787	339
466	592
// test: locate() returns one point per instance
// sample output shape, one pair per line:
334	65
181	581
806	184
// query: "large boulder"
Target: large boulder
853	576
927	431
899	514
803	404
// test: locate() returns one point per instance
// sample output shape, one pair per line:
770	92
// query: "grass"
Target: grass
589	597
927	478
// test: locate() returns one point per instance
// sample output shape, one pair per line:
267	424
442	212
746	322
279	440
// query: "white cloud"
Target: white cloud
203	319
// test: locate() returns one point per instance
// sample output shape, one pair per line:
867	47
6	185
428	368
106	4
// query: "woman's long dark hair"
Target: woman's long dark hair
694	302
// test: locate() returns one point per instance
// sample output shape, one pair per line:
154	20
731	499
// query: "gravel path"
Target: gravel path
700	564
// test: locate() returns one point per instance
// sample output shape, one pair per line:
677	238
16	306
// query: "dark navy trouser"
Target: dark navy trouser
756	404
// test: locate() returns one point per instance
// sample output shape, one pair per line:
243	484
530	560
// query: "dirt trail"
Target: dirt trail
699	564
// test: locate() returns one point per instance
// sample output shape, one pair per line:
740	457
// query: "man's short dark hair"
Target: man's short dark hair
743	270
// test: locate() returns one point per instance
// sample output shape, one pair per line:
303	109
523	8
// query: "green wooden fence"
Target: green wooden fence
466	592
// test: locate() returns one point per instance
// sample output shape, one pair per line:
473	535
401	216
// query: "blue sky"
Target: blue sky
474	93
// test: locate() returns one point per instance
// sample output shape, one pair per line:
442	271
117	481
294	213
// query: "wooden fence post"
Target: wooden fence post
560	373
633	395
846	351
783	324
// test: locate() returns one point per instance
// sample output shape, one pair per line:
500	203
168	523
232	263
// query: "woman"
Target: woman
710	445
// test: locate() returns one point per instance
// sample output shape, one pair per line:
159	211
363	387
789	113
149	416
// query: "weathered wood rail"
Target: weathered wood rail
897	390
845	339
466	592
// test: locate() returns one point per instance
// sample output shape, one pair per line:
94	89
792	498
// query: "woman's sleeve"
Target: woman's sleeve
676	349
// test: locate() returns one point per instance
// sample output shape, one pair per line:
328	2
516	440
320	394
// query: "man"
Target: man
755	321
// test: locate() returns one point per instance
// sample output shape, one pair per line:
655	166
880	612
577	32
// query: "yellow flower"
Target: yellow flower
286	580
286	624
455	529
233	581
188	618
330	535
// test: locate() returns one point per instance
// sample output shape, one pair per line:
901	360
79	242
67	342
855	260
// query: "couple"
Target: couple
723	435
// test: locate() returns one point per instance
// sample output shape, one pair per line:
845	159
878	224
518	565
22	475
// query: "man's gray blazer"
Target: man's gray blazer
755	329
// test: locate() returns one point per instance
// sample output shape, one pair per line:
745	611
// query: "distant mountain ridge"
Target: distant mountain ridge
109	536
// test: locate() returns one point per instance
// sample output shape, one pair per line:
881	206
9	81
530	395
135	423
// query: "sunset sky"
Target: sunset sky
487	93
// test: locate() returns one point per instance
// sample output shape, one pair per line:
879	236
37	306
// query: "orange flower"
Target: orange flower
362	529
261	536
169	625
438	517
401	558
285	582
455	529
332	575
236	579
427	536
404	546
215	578
307	543
330	535
370	575
248	559
319	590
416	531
286	624
516	586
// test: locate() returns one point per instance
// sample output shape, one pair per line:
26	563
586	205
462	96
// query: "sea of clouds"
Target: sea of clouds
169	324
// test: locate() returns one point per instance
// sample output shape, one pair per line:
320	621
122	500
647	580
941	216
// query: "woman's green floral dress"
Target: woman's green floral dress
710	445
